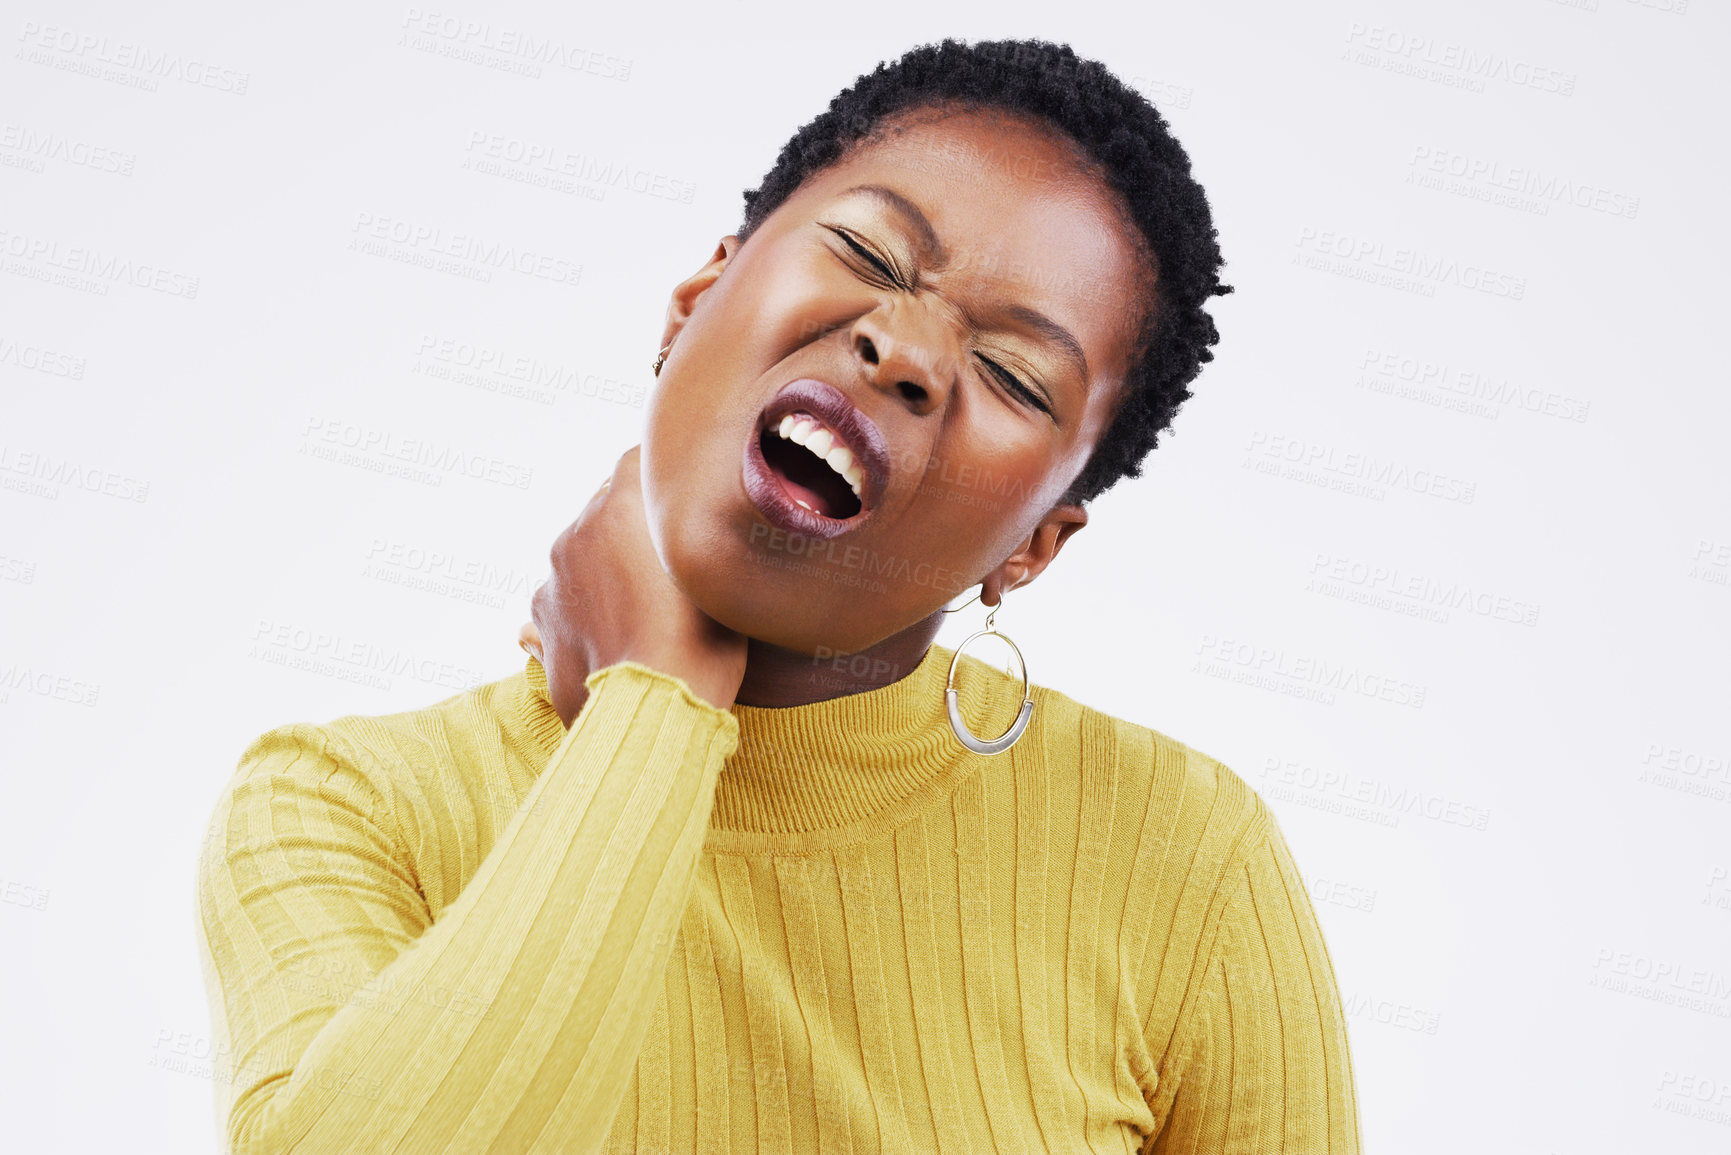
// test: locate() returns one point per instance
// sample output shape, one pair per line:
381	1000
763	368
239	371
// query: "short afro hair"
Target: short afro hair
1120	132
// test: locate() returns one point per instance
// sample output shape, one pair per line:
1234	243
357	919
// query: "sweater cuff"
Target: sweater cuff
636	672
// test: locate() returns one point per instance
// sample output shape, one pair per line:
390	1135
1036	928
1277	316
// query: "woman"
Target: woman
721	868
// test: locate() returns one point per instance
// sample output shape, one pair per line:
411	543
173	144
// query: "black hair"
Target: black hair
1123	135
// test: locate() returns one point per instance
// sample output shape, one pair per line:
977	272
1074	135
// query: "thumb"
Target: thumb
530	639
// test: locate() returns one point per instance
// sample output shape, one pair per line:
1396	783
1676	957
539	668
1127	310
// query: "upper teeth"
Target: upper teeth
804	429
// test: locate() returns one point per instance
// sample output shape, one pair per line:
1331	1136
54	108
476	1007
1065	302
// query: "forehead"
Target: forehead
1020	211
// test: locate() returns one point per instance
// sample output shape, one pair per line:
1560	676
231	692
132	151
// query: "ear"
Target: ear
688	292
1034	555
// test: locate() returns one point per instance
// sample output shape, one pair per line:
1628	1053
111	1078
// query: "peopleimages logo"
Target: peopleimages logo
1458	65
352	659
332	439
1525	180
45	684
40	360
39	147
1370	256
501	46
511	373
1349	470
1274	668
1385	371
86	53
1388	586
1390	1013
43	254
1390	799
52	472
1662	980
435	571
585	168
416	243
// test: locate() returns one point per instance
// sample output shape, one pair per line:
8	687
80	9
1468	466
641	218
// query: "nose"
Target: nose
910	349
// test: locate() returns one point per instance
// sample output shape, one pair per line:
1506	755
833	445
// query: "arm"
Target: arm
1264	1065
512	1022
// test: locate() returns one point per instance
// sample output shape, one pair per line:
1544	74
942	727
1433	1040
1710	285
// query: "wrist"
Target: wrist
704	683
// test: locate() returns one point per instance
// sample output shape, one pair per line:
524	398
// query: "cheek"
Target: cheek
981	505
671	439
780	303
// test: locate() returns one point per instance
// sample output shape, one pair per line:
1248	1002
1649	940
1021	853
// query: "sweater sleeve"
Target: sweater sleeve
1264	1064
347	1020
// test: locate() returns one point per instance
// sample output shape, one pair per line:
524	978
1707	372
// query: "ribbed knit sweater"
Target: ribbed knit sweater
825	927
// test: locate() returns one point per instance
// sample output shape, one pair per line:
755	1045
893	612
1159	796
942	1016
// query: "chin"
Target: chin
701	530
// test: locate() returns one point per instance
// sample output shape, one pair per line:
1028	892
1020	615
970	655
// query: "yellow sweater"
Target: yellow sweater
820	928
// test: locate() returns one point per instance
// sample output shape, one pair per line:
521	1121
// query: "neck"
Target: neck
777	677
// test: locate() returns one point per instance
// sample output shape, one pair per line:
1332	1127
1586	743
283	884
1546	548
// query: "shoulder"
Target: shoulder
384	767
1198	808
1180	835
484	719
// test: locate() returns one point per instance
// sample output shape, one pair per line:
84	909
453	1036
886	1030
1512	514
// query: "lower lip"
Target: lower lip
763	486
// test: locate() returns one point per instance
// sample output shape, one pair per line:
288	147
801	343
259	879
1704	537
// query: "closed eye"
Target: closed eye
877	263
1014	384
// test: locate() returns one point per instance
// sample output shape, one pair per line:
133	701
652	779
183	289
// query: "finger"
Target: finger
537	611
594	500
530	639
626	469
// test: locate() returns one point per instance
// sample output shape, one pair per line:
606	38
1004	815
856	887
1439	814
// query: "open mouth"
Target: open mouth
817	466
817	473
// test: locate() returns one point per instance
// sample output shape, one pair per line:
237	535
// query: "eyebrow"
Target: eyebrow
1053	332
910	212
927	237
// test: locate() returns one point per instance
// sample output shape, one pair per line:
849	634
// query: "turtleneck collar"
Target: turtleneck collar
826	773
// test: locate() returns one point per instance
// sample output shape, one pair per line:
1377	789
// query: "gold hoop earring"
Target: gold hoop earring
661	359
966	736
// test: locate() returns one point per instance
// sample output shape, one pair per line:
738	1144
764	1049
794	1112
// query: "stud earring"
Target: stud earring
965	736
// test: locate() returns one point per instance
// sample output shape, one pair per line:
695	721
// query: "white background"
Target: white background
1515	830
